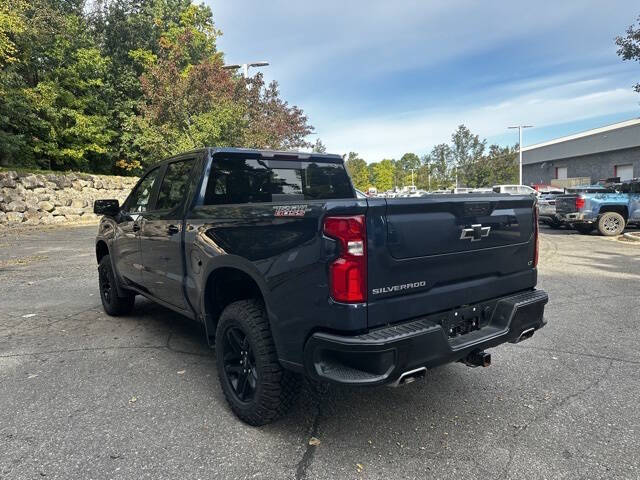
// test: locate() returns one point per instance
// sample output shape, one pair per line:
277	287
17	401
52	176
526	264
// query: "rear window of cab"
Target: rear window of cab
236	180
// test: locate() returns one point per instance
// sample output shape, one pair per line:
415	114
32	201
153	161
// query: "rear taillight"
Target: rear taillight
348	273
536	248
579	203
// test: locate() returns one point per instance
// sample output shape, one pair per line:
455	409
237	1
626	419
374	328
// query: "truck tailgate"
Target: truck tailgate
440	252
566	204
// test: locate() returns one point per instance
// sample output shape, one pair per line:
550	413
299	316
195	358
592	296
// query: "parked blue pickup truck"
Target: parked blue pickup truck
609	210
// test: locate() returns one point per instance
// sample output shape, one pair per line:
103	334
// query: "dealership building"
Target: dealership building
586	157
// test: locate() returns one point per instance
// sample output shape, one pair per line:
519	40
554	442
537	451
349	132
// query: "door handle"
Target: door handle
172	229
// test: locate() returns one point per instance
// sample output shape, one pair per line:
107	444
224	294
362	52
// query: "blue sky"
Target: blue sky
383	78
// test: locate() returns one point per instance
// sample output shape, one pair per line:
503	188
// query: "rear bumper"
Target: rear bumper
382	355
575	217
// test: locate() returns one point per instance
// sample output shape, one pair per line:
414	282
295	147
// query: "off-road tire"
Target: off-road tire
113	304
611	224
276	389
584	228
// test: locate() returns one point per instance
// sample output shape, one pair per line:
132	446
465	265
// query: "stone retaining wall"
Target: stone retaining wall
35	199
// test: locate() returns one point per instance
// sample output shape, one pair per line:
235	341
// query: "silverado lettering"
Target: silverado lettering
397	288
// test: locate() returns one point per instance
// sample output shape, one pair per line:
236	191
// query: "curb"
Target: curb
634	237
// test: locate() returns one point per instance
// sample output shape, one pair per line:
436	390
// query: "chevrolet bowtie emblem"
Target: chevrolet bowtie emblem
475	233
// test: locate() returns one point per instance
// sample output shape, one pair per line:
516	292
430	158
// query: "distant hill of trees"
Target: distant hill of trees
467	157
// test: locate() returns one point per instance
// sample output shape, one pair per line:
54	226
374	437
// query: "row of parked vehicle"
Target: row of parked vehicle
608	208
411	191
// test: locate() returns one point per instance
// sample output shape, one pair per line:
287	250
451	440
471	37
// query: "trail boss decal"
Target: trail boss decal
290	210
398	288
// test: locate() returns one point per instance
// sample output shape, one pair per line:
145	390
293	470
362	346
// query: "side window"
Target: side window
141	195
174	185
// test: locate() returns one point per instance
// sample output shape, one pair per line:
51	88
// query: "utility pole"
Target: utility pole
245	67
520	127
412	170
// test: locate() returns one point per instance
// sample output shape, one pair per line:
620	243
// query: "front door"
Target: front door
161	236
127	240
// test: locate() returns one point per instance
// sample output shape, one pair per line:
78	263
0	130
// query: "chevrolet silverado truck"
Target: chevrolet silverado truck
606	208
291	274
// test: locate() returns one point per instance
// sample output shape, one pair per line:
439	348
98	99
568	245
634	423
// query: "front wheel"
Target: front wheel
584	228
254	383
611	224
113	304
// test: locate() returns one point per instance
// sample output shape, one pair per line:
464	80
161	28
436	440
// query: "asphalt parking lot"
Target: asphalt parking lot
84	395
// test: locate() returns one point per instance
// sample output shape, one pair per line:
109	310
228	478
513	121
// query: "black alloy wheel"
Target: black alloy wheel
112	303
240	364
254	383
105	285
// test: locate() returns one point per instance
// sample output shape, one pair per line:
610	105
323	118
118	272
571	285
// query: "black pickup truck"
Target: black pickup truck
291	274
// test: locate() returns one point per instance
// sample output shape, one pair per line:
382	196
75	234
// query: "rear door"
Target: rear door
443	251
161	235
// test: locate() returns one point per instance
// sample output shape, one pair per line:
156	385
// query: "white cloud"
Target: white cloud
390	136
345	63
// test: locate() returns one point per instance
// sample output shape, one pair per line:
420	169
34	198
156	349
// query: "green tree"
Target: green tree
383	174
56	83
502	163
318	147
12	22
116	85
629	46
467	150
403	167
441	166
358	171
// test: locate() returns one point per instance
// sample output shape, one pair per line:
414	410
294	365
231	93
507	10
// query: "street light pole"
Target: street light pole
245	67
520	127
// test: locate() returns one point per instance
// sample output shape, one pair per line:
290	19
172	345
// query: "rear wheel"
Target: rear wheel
256	386
584	228
611	224
113	304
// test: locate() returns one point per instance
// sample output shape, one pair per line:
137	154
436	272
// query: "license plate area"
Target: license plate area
464	320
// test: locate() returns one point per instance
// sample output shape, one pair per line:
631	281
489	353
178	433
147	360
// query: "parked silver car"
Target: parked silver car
547	211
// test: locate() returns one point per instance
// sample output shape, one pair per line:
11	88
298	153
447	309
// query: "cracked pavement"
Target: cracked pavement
84	395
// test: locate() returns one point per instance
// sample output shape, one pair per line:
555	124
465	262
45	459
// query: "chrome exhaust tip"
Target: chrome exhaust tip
410	376
528	333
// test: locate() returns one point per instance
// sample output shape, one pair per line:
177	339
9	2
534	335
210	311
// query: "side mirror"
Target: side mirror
109	208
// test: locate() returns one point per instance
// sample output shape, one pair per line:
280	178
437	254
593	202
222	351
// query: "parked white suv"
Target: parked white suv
515	189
